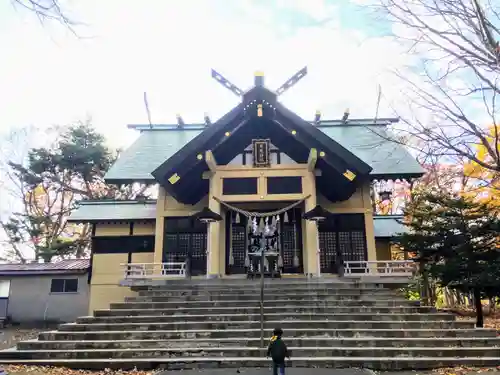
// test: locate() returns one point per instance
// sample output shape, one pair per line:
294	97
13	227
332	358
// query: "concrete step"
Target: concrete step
172	364
255	308
309	302
270	296
255	284
273	291
246	352
268	316
319	341
136	334
249	324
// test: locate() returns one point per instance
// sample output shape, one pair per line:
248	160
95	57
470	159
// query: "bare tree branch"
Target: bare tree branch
451	88
49	11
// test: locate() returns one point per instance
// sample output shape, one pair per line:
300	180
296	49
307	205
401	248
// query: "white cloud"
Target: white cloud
168	48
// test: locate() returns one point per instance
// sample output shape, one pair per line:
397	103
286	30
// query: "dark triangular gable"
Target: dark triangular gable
287	131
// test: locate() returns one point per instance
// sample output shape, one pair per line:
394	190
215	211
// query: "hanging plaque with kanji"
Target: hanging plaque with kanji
260	149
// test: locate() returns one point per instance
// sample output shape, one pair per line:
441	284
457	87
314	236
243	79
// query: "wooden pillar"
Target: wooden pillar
370	236
159	230
311	229
214	229
371	248
222	243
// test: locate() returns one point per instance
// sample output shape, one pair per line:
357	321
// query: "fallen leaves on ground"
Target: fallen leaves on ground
491	320
463	370
42	370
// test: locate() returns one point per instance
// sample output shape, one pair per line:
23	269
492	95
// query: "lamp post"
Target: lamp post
207	216
316	215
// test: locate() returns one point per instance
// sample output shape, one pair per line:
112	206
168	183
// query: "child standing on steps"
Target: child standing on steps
278	351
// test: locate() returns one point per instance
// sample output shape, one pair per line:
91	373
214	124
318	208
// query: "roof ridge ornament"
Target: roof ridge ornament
292	81
259	81
226	83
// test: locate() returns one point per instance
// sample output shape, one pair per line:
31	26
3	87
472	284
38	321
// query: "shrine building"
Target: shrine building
260	164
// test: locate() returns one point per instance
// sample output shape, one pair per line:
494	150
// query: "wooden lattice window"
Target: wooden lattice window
342	238
238	244
328	251
185	238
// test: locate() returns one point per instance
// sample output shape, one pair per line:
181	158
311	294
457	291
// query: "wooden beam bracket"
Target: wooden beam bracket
210	160
312	159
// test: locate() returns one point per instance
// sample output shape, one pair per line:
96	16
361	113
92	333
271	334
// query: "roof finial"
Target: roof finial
206	117
317	117
180	121
259	78
346	115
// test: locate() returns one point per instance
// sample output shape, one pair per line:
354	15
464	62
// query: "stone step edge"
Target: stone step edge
363	330
276	283
400	300
269	295
257	360
459	322
246	348
282	289
222	283
411	309
271	313
308	338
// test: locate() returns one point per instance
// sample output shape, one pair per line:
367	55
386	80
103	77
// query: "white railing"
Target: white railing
384	268
154	270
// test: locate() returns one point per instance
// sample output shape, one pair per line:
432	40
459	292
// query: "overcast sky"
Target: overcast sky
167	48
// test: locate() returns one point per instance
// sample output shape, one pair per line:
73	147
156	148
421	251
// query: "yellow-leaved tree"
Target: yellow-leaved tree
484	183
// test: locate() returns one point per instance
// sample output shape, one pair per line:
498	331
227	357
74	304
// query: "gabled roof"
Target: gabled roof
367	140
149	151
111	210
260	115
63	267
372	143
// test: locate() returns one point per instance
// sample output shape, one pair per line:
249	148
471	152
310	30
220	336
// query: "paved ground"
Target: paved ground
10	336
263	371
311	371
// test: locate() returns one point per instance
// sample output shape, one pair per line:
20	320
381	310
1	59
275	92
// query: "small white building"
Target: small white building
44	292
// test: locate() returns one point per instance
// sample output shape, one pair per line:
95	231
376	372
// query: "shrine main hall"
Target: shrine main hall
260	168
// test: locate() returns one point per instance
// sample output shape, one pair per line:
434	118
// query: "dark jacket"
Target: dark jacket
277	350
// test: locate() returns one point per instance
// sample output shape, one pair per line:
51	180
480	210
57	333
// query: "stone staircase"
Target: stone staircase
190	324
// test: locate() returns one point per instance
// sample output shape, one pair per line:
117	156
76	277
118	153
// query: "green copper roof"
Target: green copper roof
153	147
372	145
92	211
388	226
148	152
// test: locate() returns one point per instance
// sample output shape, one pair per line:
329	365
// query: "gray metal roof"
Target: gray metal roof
388	226
92	211
373	145
370	143
64	266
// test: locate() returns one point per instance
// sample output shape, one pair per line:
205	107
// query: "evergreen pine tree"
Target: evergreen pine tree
456	240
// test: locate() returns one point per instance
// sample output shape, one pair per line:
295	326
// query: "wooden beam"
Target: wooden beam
312	159
210	160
